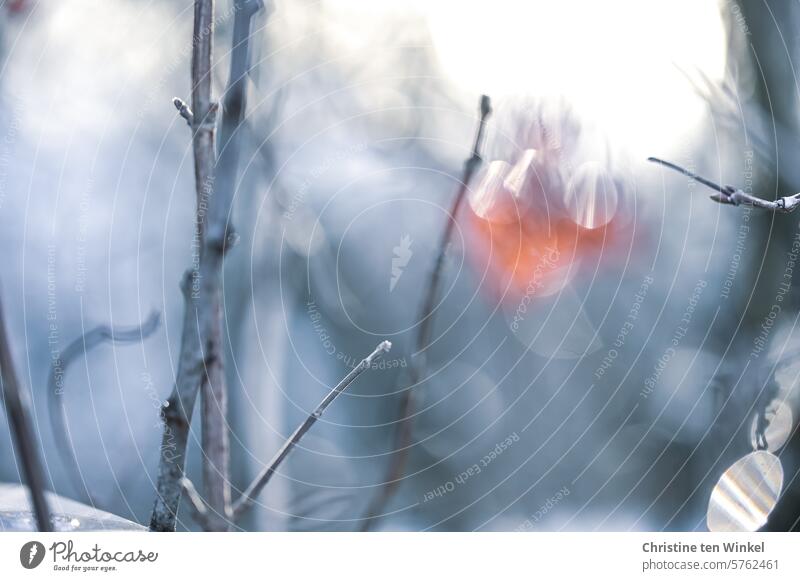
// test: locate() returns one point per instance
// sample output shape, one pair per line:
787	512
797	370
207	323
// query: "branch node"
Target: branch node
207	123
734	196
198	506
184	110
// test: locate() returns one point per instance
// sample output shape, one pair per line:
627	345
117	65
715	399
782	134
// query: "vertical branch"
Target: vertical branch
402	440
19	420
201	364
200	285
215	439
216	446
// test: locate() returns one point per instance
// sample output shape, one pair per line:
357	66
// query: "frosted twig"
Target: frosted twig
201	363
734	196
252	491
201	287
215	437
55	386
402	441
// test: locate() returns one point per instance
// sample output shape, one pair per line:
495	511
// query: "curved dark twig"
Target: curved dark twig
55	386
402	441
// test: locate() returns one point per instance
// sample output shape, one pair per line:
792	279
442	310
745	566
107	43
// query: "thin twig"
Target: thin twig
55	386
196	503
402	442
734	196
200	285
252	491
216	448
19	420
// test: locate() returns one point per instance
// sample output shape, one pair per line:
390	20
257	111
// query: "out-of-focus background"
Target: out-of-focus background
598	354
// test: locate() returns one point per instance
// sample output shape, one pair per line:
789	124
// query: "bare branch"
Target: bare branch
252	491
216	448
201	362
16	404
201	286
402	441
196	503
55	386
734	196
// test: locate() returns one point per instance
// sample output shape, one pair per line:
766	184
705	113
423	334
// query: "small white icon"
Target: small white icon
402	254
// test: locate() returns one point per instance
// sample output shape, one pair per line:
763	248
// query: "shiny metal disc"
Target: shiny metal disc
746	494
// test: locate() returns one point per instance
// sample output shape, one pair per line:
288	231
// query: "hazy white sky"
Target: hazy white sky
617	62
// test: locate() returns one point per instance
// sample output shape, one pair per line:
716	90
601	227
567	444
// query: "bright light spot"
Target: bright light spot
591	196
746	494
616	62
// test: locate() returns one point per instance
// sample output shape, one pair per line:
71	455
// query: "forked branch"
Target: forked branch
734	196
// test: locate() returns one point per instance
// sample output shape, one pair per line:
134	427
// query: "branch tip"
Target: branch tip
486	106
183	110
403	434
249	495
734	196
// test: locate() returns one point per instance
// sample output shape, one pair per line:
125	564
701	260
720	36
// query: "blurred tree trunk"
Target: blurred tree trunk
769	46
